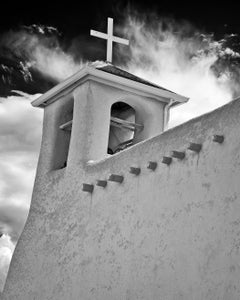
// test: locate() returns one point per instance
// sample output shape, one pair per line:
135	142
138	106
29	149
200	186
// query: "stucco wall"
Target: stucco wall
172	233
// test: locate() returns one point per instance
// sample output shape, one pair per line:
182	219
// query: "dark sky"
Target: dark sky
73	18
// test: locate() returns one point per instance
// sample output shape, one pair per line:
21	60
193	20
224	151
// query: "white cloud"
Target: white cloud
19	125
20	133
179	58
39	47
54	63
6	250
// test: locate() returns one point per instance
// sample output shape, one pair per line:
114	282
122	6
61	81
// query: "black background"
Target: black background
73	18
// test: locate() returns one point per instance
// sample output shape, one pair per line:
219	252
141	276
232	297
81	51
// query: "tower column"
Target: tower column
90	128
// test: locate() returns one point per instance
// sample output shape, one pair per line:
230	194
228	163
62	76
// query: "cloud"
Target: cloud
20	135
6	250
20	125
12	219
179	57
54	63
39	48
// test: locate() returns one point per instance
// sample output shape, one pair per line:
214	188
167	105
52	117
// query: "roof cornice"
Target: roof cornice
90	73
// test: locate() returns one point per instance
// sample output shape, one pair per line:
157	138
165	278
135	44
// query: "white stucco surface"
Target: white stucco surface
172	233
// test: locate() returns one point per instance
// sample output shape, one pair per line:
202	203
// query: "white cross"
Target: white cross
110	38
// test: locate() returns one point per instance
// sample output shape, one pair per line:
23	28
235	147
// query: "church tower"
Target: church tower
97	112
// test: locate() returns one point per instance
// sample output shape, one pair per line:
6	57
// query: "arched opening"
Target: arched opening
63	135
122	127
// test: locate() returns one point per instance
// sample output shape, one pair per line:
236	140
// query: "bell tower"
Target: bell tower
97	112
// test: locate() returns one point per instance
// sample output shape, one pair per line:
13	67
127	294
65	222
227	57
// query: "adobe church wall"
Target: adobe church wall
171	233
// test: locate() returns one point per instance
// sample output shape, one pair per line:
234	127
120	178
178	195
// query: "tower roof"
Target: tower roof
122	73
114	76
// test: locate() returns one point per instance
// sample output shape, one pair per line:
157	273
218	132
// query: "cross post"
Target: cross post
110	38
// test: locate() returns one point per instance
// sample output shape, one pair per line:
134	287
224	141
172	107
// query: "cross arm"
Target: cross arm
99	34
120	40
